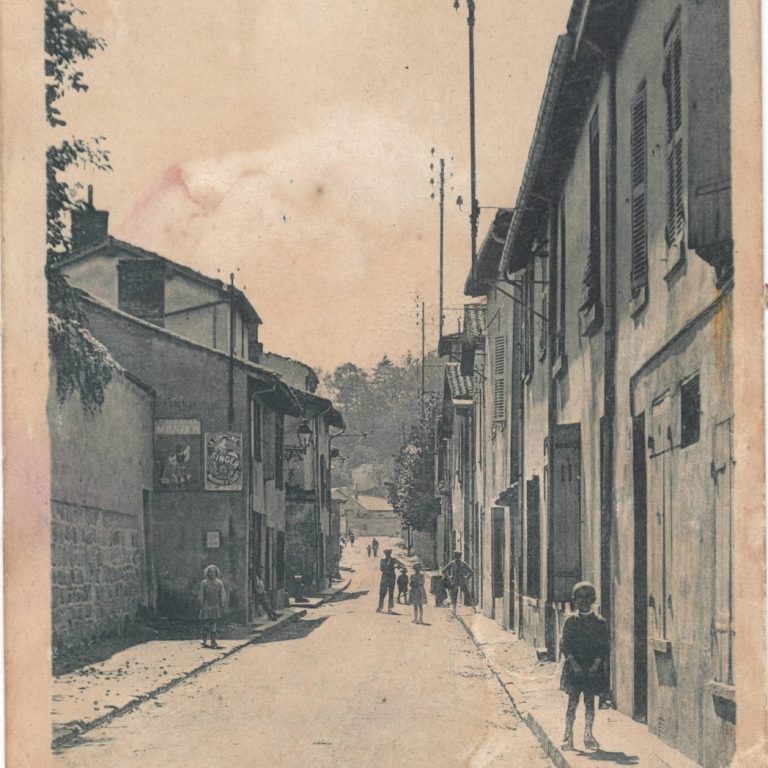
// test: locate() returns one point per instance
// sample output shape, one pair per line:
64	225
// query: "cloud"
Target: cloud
330	230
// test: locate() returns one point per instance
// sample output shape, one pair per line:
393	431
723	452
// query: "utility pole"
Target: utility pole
442	229
423	359
231	348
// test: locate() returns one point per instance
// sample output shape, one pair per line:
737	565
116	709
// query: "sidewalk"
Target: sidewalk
322	597
533	687
95	694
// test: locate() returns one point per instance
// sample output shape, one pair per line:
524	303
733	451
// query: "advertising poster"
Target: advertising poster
223	461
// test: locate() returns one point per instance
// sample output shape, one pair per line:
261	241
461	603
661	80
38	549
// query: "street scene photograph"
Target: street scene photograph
394	410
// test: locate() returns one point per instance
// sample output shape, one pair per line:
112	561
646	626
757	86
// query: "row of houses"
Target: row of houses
207	449
587	421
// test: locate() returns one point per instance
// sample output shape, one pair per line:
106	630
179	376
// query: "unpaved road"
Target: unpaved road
344	687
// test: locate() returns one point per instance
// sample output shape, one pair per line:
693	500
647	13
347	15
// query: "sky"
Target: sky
290	142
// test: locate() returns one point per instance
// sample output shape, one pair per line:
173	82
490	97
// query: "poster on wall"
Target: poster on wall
177	455
223	461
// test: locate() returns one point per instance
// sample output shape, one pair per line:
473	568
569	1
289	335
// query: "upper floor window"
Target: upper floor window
561	275
673	86
639	176
499	382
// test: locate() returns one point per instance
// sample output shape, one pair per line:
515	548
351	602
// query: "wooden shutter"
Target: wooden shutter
499	360
673	62
639	149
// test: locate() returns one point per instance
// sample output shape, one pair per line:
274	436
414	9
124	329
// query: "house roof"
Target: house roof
373	503
461	387
279	393
490	254
314	405
113	243
594	26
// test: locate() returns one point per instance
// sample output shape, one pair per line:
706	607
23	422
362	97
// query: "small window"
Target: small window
639	151
690	412
591	286
533	539
674	86
279	447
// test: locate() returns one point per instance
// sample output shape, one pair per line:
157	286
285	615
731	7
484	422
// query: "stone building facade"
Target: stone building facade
102	564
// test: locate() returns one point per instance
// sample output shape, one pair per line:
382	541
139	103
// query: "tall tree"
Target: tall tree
81	364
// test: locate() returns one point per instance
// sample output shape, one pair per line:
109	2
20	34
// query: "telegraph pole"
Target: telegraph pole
231	348
423	358
442	229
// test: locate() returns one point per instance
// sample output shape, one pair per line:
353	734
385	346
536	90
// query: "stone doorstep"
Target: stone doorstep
65	733
542	708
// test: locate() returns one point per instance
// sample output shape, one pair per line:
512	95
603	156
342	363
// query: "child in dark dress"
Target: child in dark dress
402	585
586	647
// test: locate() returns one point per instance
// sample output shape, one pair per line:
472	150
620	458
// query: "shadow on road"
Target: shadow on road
297	631
341	596
601	756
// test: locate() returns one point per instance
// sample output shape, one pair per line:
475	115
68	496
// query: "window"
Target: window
497	564
690	412
499	365
533	538
543	305
592	270
673	86
255	430
639	174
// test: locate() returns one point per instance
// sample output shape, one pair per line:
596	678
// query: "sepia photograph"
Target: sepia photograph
383	383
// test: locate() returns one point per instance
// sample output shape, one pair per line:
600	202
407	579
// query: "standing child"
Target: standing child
586	647
369	550
402	586
418	595
211	600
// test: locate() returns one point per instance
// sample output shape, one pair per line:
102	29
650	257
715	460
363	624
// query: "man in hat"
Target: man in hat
388	566
459	575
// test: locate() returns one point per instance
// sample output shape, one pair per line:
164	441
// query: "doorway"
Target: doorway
640	575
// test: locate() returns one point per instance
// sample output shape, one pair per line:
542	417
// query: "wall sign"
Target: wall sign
177	455
212	539
223	461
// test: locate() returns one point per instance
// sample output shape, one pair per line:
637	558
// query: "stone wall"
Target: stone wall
97	572
101	481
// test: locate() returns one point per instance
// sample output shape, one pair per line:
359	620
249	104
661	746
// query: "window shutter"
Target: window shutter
499	360
673	84
639	149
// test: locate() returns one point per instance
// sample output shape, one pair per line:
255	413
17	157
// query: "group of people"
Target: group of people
373	547
350	537
454	577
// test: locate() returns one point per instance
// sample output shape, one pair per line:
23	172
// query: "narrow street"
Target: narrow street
345	686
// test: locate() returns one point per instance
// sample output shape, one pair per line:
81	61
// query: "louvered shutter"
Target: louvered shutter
673	62
639	148
499	360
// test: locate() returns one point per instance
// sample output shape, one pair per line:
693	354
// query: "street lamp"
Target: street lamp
304	433
474	207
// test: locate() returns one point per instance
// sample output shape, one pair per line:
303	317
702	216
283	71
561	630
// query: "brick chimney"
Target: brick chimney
141	289
89	226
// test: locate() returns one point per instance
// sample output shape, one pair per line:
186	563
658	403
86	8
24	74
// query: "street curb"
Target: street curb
516	699
67	738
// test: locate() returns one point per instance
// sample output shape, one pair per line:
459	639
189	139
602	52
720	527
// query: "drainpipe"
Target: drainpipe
609	382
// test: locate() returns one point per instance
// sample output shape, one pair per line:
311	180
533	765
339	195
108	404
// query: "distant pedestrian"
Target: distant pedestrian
211	599
402	585
260	596
418	595
586	647
375	547
387	567
352	538
369	550
460	576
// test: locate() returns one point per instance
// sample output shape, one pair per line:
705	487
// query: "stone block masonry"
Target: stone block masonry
96	570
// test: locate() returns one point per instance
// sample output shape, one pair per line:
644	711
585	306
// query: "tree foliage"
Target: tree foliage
412	491
382	402
81	364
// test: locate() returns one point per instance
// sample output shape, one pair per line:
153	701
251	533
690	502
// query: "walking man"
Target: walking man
375	546
459	575
388	566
